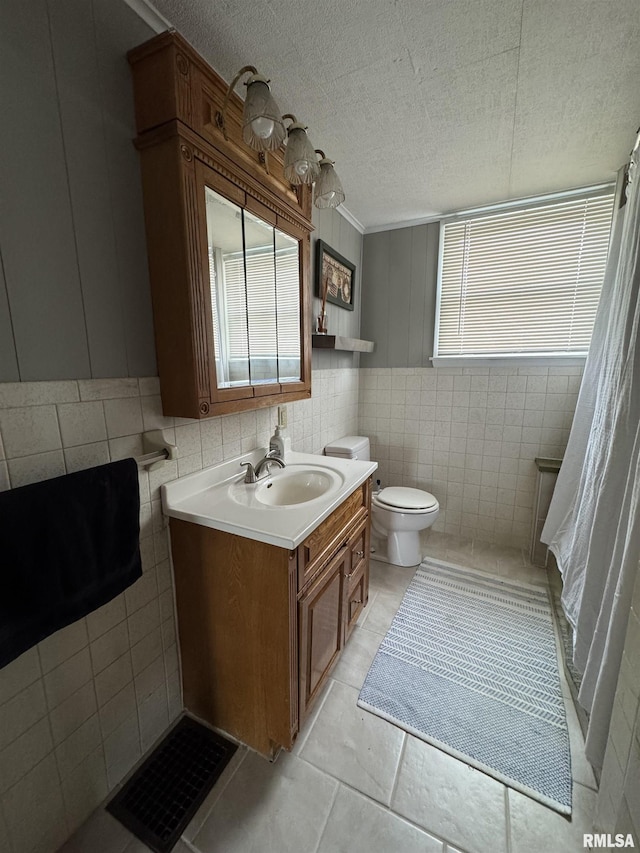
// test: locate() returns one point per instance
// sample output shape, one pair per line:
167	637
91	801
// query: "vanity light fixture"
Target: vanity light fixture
328	190
262	125
300	162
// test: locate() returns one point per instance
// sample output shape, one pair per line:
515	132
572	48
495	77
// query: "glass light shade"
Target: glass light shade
262	125
328	190
300	162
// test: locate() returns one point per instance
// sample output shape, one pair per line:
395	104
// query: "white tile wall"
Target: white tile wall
470	436
80	709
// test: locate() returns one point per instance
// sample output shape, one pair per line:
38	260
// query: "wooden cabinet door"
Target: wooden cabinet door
321	628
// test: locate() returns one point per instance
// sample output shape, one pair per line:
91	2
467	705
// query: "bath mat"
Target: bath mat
469	665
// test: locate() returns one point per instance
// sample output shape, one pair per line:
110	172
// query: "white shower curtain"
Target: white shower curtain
593	525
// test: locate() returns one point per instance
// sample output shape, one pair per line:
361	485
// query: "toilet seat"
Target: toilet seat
405	499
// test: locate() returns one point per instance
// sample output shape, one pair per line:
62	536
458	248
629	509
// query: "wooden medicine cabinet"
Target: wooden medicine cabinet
228	243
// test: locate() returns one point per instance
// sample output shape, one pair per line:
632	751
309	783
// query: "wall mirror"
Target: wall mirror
254	275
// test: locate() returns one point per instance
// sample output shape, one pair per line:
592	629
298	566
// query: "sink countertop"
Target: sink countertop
204	498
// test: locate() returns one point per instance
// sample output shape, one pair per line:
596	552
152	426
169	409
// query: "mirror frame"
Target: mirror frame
183	150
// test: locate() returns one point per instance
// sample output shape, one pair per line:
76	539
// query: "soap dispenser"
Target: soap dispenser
280	442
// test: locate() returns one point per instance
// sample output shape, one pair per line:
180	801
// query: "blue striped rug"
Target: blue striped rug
469	664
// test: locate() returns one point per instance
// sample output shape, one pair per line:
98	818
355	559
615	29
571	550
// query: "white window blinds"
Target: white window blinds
524	281
259	302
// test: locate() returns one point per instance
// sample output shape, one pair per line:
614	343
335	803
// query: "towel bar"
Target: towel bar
158	450
150	460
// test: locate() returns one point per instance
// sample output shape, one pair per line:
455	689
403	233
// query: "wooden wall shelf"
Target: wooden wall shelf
337	342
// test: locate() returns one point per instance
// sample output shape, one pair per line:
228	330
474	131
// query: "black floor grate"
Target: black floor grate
162	796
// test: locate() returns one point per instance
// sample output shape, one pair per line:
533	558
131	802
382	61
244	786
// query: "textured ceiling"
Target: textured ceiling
433	106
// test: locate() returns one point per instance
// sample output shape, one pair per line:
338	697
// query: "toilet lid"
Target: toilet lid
405	498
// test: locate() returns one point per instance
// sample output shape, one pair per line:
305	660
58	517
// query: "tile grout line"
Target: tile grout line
326	822
217	798
396	775
375	802
302	743
507	814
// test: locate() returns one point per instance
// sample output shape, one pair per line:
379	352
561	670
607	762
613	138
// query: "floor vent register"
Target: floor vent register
165	792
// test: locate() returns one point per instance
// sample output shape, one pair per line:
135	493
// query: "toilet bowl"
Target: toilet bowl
397	513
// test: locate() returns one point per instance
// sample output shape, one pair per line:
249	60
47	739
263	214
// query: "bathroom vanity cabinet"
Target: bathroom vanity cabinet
261	627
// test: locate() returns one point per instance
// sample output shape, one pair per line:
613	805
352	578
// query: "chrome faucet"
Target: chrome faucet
253	474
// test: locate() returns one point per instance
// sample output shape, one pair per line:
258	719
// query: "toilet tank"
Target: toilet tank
350	447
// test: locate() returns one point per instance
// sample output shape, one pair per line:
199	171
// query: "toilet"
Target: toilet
397	513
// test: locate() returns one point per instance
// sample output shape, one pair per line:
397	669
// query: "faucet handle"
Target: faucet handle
250	476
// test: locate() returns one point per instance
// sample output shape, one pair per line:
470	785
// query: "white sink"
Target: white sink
281	509
297	485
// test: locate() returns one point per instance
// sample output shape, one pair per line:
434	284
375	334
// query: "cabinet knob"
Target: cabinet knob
356	601
359	553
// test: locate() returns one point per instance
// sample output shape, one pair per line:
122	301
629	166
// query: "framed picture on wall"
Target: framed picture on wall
335	276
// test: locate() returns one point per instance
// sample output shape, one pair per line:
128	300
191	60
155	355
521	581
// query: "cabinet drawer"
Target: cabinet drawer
355	599
327	536
359	549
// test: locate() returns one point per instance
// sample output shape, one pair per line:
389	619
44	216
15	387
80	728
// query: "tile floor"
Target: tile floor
357	784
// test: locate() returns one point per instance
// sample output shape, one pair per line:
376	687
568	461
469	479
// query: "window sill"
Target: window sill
508	361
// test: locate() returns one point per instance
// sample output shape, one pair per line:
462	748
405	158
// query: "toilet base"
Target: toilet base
403	547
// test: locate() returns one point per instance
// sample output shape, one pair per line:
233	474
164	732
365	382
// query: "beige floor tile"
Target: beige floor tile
358	825
357	657
451	799
385	577
269	808
503	553
4	832
195	824
380	612
101	833
373	594
434	544
353	745
483	558
460	551
136	846
581	770
530	574
535	827
307	724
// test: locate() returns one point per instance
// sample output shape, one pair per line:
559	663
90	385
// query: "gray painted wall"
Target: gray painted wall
334	229
399	272
74	289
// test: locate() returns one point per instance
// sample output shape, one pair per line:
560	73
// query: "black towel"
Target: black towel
67	546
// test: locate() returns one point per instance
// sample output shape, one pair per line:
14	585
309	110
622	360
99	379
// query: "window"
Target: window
523	281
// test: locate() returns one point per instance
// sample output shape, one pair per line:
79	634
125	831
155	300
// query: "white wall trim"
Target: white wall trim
504	205
407	223
150	15
346	213
533	201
